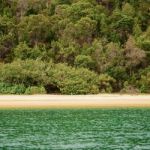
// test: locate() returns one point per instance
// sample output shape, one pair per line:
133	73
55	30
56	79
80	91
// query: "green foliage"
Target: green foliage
144	82
75	81
128	10
34	29
85	39
144	40
120	74
6	25
6	45
63	51
7	88
35	90
123	25
27	72
36	73
98	54
114	56
129	89
23	52
84	61
106	83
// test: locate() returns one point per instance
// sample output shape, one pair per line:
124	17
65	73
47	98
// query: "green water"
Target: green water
95	129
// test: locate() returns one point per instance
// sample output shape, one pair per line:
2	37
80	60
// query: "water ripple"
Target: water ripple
98	129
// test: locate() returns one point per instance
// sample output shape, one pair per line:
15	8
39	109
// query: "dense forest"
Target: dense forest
74	46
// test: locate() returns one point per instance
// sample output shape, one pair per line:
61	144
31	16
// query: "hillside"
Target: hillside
74	46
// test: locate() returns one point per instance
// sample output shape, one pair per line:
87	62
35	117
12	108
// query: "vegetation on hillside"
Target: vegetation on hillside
74	46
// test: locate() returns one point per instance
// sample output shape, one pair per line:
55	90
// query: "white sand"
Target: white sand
79	101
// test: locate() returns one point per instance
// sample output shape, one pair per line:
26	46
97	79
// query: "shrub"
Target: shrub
6	88
144	83
67	79
106	83
130	89
29	72
78	87
75	81
144	40
34	29
144	44
22	51
134	56
35	90
75	87
84	61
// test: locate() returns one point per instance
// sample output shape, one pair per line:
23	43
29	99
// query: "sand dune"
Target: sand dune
64	101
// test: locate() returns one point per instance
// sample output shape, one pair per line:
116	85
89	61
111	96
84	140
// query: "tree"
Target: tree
134	56
64	51
85	39
23	52
82	32
6	45
28	73
75	81
106	83
144	40
144	82
84	61
128	10
123	25
34	29
114	55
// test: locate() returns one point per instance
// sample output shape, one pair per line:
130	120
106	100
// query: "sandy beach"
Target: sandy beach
63	101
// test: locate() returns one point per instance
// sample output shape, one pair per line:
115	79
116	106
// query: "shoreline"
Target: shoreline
75	101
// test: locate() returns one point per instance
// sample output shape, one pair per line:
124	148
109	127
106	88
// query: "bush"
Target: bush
144	83
22	51
144	40
145	44
67	79
35	90
78	87
27	72
75	81
84	61
6	88
129	89
106	83
75	87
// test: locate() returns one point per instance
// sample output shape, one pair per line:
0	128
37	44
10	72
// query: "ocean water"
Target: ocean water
66	129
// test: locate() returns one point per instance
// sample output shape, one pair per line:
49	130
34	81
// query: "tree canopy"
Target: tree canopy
74	46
